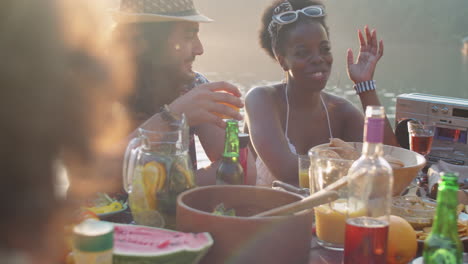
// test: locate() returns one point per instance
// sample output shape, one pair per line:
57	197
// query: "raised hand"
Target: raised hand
370	53
200	103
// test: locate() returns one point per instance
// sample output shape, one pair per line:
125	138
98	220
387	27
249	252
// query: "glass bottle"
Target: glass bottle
229	170
443	244
370	185
93	242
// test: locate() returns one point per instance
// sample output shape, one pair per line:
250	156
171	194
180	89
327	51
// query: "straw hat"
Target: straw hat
132	11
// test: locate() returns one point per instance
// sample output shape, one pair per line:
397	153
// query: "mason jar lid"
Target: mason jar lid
93	236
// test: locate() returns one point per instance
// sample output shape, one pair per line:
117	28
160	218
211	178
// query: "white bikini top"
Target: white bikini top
264	176
291	146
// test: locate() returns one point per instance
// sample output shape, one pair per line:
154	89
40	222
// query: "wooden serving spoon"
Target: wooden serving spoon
329	194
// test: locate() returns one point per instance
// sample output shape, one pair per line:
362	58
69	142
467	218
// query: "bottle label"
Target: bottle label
374	130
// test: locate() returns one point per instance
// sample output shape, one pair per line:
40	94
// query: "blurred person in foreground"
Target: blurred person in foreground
289	118
165	43
57	108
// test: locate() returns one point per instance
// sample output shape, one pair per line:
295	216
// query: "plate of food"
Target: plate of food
421	235
462	227
405	163
419	212
104	205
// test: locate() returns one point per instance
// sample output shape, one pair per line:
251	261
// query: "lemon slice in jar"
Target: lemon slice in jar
154	176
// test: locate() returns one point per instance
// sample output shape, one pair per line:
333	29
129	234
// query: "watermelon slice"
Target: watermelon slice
149	245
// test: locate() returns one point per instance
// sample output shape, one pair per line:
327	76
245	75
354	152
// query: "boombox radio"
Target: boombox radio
450	116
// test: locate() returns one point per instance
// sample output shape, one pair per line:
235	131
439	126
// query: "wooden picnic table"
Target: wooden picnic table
318	254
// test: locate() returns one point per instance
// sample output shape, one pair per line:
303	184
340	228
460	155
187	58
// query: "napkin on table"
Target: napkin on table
435	170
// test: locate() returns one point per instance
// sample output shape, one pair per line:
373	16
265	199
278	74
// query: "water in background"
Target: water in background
432	64
414	60
422	46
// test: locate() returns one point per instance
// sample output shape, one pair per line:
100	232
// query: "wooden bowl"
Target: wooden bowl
244	239
402	177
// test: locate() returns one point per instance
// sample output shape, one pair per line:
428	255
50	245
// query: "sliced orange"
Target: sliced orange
162	177
187	174
153	173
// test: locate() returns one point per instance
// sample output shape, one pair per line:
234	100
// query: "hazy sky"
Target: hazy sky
232	51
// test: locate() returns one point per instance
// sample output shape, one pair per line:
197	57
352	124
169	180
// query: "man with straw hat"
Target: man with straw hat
164	37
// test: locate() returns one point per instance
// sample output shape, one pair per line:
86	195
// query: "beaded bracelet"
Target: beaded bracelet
364	86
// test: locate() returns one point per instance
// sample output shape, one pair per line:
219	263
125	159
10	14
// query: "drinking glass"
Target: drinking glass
225	117
326	167
420	138
303	168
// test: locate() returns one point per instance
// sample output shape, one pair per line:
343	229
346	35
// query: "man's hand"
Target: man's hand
370	53
200	103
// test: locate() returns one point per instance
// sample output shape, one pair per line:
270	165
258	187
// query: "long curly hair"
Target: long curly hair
264	35
57	106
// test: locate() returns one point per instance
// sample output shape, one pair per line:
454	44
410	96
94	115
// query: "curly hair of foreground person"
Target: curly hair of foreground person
58	98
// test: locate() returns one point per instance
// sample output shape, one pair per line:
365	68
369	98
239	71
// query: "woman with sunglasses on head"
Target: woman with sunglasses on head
289	118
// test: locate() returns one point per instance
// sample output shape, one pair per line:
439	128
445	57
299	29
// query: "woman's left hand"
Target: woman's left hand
370	53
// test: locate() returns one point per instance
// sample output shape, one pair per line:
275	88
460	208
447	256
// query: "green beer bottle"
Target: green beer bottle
229	170
443	246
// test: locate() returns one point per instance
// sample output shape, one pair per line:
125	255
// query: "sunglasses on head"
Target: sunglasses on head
291	16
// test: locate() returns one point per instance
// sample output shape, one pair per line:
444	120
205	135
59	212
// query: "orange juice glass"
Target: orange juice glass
225	116
230	105
326	167
330	222
303	167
